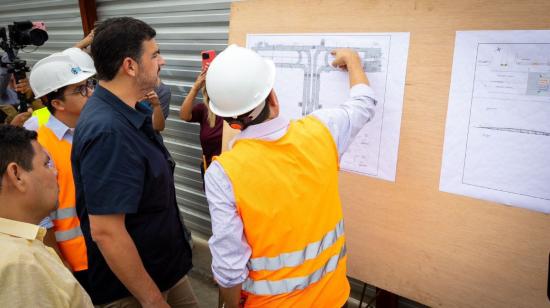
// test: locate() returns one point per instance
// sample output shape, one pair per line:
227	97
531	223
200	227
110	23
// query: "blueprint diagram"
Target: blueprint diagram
306	82
497	139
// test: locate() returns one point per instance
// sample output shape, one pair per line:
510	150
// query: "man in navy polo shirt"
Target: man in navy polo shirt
123	174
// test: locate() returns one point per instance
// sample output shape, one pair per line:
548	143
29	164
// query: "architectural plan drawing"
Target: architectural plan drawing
497	137
306	82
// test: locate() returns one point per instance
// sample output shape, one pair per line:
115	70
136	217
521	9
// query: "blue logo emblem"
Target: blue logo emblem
76	70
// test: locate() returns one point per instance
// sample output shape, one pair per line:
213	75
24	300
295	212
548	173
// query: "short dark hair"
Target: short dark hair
114	40
15	147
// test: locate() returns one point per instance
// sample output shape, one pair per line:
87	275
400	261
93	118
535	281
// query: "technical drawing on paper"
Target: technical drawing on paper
314	61
497	141
306	81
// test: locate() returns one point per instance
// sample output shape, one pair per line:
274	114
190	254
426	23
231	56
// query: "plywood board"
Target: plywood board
408	237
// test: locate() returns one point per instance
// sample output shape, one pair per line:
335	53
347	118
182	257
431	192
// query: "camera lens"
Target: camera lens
37	37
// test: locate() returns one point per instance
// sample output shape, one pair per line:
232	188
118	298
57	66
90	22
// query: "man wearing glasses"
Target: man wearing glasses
63	82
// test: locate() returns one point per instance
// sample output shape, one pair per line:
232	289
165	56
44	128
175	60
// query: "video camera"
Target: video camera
18	36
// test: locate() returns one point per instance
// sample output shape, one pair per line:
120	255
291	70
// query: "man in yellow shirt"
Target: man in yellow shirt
31	275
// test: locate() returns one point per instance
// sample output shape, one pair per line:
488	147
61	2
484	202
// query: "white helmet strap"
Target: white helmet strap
256	116
254	113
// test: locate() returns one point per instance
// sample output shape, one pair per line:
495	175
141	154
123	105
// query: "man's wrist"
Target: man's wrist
353	60
155	304
153	301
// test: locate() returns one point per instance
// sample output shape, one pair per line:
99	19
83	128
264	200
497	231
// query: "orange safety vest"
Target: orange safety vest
65	220
286	193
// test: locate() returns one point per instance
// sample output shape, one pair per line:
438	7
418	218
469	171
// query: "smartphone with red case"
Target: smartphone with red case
207	57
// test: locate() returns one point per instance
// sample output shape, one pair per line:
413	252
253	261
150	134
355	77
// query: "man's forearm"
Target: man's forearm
158	118
356	73
122	257
231	296
187	105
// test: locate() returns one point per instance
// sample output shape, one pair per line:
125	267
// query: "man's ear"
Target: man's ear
14	177
272	99
58	104
129	66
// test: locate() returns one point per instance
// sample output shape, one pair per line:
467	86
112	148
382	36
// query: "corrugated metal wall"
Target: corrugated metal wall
184	28
62	18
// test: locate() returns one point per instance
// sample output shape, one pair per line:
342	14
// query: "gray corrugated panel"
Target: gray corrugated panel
120	8
62	18
177	73
207	33
10	5
188	18
65	10
192	45
194	209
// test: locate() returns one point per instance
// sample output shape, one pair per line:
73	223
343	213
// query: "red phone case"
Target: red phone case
207	57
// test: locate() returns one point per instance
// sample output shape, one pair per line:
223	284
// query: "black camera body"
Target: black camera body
18	36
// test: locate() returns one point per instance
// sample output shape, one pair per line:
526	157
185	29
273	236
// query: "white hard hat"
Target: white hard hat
238	80
81	58
54	72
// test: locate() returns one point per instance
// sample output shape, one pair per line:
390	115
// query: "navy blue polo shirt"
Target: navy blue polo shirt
121	166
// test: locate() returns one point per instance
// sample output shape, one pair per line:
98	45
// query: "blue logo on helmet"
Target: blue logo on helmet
76	70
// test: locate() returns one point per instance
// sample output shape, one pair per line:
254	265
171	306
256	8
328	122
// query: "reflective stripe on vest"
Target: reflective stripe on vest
61	236
275	287
292	259
64	213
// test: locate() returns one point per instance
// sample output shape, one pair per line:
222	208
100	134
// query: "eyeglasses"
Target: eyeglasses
51	163
85	89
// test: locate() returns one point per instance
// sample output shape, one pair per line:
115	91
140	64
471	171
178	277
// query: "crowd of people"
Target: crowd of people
88	210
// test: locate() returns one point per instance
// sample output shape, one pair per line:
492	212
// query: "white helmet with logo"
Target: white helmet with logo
82	58
238	80
54	72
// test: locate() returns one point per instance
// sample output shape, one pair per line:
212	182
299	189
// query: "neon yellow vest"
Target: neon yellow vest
43	115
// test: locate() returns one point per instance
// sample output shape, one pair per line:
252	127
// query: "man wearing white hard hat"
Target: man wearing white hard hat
63	81
278	234
85	62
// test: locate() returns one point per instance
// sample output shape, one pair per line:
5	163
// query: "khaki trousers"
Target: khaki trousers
181	295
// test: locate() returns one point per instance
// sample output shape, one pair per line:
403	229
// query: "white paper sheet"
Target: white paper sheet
497	137
306	82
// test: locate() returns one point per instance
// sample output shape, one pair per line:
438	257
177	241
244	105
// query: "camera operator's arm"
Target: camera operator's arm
87	41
